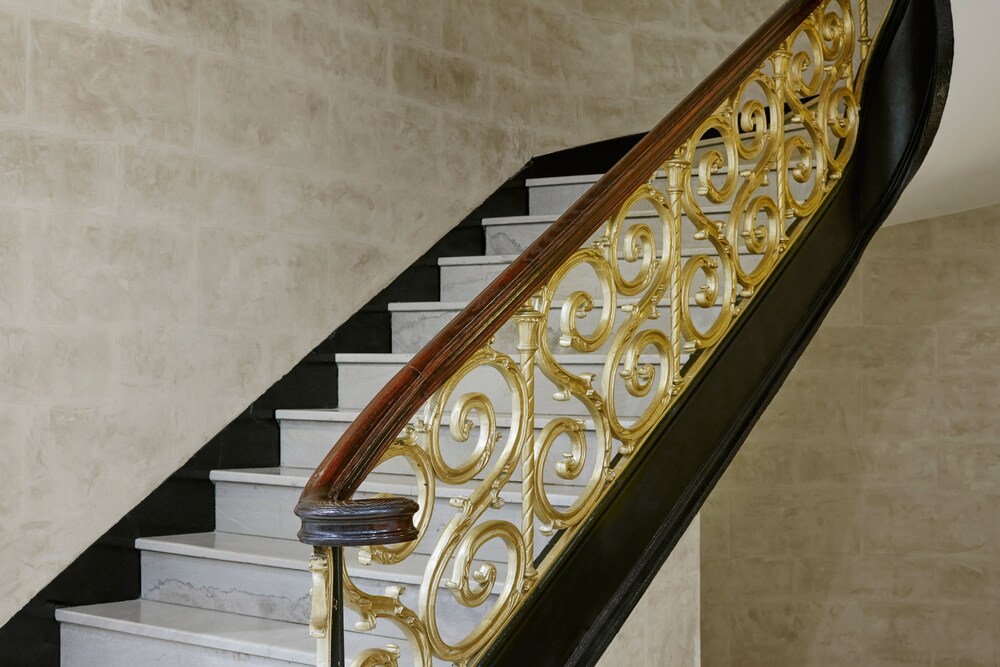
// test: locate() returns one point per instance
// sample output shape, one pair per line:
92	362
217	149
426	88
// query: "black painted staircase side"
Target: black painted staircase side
108	571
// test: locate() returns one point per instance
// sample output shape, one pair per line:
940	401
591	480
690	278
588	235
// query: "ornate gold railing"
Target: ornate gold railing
688	228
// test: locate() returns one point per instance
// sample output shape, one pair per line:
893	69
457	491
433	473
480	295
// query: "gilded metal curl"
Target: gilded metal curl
674	268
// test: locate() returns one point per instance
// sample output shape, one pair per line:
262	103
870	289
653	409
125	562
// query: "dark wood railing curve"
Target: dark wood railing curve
359	449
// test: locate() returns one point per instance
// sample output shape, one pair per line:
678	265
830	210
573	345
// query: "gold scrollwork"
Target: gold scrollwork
697	239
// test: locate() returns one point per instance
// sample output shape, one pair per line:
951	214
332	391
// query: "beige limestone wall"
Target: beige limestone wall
195	193
664	628
859	524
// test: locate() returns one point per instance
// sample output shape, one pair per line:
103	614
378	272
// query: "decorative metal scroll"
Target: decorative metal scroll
609	343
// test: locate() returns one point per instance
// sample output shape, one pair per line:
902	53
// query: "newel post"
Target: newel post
329	526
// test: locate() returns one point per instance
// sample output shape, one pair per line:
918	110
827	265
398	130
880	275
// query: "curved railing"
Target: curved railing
663	256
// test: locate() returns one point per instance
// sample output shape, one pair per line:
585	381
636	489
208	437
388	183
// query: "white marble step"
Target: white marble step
414	324
259	501
463	278
241	574
268	578
556	194
144	632
307	436
510	235
361	376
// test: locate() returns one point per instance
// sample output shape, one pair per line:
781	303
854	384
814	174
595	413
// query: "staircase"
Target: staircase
241	593
679	400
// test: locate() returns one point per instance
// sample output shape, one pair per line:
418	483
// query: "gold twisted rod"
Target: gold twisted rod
772	170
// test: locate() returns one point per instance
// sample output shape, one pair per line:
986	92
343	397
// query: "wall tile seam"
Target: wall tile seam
41	16
115	219
412	41
325	15
334	236
326	79
21	15
489	68
29	58
319	86
199	92
266	63
191	50
146	35
80	137
119	169
21	309
32	12
456	114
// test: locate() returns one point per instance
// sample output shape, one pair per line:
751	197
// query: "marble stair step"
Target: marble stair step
144	632
361	376
463	278
241	574
307	436
259	501
269	578
554	196
414	324
557	194
510	235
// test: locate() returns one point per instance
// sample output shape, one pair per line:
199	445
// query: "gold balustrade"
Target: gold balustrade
666	279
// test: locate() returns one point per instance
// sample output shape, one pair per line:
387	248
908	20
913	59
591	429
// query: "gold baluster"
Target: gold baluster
780	60
864	40
678	172
529	328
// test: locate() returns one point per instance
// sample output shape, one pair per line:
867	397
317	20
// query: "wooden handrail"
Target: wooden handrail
362	445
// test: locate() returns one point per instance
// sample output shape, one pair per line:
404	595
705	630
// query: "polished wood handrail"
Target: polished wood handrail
362	445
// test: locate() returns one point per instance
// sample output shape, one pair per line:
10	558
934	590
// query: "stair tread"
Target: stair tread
250	549
272	476
347	416
542	218
377	482
279	640
402	357
562	180
790	127
457	306
484	260
275	552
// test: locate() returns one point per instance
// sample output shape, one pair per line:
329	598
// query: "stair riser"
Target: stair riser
272	592
242	588
554	199
413	329
464	282
304	444
358	383
252	509
93	647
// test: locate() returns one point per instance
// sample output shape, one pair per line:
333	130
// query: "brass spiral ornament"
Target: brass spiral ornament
665	281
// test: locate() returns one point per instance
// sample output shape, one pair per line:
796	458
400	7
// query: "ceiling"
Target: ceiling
961	169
